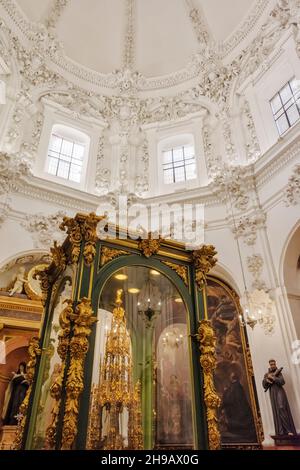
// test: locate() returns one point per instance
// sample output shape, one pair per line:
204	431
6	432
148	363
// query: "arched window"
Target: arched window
67	153
178	159
286	106
179	164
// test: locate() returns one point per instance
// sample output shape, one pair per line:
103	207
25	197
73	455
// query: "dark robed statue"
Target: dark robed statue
15	395
283	420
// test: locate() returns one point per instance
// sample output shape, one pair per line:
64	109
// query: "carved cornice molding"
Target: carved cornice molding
246	27
56	11
77	202
276	159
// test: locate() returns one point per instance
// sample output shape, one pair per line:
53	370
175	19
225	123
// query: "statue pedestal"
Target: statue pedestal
7	437
286	440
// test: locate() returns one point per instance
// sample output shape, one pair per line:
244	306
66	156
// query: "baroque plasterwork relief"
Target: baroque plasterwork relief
56	10
35	48
44	228
251	140
247	227
280	18
234	183
255	265
12	169
41	49
292	192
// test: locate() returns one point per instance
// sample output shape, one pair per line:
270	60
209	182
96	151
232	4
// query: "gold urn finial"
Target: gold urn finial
118	311
119	297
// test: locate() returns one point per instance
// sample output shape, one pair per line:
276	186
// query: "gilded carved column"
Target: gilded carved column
56	387
79	344
207	345
204	260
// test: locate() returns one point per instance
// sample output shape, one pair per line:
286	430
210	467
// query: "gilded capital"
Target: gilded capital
82	228
204	260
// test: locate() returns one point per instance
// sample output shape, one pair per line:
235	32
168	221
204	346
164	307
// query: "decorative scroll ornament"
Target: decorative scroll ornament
43	277
150	246
108	254
83	320
207	340
32	285
33	351
259	425
135	435
56	387
204	260
181	270
249	363
90	236
58	256
82	228
74	231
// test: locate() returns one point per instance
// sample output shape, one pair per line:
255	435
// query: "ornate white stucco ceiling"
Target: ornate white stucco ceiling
93	32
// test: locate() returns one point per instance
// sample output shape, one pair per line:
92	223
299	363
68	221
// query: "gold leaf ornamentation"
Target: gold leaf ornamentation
108	254
89	227
32	287
149	246
42	275
82	228
249	363
73	228
207	345
181	270
56	387
58	256
204	260
34	351
79	344
260	429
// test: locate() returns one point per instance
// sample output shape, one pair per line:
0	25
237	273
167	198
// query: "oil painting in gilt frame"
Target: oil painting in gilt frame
238	415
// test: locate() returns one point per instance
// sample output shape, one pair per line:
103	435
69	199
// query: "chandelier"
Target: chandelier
149	301
172	339
259	309
258	306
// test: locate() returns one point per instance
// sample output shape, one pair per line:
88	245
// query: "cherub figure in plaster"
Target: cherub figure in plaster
19	282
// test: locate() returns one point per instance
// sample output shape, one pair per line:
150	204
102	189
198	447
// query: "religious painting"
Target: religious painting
173	394
237	412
